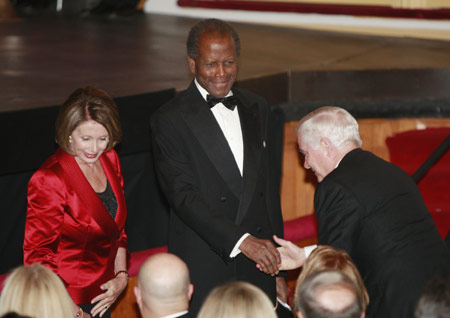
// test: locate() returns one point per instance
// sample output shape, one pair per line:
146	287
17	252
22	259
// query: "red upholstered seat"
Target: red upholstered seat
409	150
137	258
302	228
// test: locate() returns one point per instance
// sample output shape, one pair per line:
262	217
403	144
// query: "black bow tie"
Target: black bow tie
230	102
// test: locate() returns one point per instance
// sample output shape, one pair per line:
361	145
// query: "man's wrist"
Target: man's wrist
236	250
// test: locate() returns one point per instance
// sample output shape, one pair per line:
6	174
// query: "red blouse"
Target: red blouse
69	229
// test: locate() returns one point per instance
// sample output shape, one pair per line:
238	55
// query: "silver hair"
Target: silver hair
334	123
311	307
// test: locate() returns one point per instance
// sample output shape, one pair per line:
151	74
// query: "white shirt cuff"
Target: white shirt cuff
236	251
309	249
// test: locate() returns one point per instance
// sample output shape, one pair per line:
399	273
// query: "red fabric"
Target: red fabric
302	228
2	280
137	258
409	150
69	230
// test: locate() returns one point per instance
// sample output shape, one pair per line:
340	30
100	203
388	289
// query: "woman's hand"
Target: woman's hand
113	289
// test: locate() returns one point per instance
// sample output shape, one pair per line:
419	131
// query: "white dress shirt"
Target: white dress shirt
230	125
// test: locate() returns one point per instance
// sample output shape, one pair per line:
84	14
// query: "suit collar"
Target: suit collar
87	195
196	110
349	155
251	134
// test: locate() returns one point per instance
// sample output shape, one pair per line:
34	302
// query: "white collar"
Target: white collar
177	314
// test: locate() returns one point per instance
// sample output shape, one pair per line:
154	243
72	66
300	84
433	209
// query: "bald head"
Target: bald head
163	284
336	297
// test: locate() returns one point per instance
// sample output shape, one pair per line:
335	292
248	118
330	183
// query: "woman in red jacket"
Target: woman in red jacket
76	207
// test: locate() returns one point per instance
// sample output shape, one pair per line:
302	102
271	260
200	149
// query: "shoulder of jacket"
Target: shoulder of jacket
50	170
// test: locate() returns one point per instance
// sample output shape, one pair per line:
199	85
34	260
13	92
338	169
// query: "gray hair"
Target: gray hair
334	123
308	303
213	26
434	300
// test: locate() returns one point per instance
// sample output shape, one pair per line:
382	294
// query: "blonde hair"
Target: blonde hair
237	300
325	257
35	291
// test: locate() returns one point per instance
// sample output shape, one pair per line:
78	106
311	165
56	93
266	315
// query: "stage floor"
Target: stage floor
42	60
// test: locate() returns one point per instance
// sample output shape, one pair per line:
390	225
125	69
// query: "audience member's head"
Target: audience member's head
163	286
329	294
237	300
35	291
325	257
435	299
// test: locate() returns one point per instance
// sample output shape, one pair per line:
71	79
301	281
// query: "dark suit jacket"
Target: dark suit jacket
374	211
212	206
69	230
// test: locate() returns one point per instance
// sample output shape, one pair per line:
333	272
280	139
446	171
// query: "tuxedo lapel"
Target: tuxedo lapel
211	138
250	125
87	195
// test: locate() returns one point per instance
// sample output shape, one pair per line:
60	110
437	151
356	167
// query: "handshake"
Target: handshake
270	259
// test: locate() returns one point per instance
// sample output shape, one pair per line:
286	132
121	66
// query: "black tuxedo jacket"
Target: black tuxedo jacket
212	206
374	211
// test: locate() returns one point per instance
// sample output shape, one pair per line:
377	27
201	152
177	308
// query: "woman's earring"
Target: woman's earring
70	138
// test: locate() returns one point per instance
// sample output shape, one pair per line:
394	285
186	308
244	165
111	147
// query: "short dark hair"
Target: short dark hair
85	104
434	301
212	26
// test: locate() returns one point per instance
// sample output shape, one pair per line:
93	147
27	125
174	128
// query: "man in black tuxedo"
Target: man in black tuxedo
373	210
211	151
164	287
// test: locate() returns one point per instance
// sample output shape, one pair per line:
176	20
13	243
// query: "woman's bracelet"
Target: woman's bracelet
122	271
80	313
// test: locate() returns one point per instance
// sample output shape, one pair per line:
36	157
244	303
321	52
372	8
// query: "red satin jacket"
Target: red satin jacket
69	229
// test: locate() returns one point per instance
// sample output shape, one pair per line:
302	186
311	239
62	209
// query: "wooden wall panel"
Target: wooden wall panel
298	185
